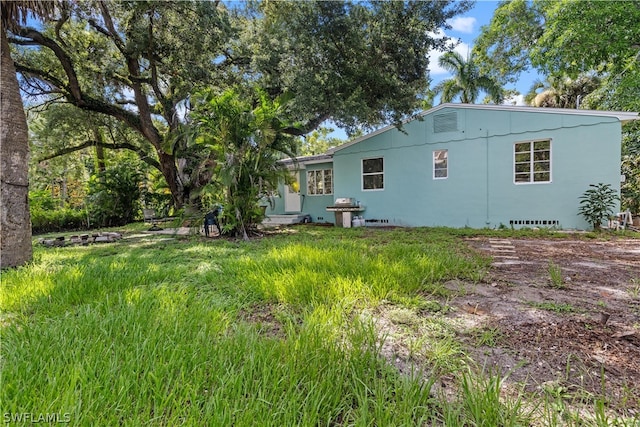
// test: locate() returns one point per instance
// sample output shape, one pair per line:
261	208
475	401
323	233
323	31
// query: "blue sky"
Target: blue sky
466	28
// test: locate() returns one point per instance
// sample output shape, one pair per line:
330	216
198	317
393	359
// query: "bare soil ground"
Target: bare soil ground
577	333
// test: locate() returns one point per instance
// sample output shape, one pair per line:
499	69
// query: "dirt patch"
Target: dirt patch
557	317
265	318
567	314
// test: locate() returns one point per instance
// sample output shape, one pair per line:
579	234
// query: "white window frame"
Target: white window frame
436	155
532	161
324	173
363	174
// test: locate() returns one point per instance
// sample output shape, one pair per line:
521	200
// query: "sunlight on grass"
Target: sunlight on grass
164	331
25	285
354	272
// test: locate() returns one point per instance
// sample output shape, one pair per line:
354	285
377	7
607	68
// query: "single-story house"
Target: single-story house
462	165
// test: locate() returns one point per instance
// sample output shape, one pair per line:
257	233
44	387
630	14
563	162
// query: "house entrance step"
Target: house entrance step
285	219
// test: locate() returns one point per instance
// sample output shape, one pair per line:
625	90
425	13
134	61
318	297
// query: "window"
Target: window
532	162
440	165
320	182
373	174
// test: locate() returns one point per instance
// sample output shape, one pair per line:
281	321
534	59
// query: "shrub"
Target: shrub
48	220
41	199
597	203
114	195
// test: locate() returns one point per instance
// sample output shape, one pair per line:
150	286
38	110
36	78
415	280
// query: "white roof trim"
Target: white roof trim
308	160
620	115
623	116
314	162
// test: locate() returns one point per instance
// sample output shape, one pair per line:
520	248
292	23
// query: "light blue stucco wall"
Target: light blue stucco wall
480	189
311	204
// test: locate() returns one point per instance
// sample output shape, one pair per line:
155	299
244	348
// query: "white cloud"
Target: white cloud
515	100
463	24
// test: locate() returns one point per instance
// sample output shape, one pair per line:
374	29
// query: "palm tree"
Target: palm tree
467	81
561	92
248	139
15	222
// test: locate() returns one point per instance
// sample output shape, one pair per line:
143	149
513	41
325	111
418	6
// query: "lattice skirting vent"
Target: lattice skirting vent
547	222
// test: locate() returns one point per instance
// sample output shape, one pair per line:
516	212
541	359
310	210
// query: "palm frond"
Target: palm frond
17	12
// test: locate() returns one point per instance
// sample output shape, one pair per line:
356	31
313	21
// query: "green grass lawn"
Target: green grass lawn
154	330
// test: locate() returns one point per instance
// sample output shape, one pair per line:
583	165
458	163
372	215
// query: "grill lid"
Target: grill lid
345	201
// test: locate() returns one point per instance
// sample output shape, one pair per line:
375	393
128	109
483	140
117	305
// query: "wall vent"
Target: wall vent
445	122
543	222
376	221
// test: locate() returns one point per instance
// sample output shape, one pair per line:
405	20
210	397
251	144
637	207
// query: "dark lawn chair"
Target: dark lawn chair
150	217
211	218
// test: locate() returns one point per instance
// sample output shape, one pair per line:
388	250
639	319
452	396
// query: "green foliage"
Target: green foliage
274	330
47	216
41	199
62	219
630	188
68	145
597	204
618	89
488	336
502	48
318	142
134	63
246	138
361	64
114	195
467	81
581	37
563	37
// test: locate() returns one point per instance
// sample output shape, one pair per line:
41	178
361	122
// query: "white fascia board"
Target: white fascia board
313	162
623	116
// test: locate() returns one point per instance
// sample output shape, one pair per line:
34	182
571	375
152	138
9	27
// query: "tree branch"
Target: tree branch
65	60
85	102
307	127
40	75
111	33
120	146
43	106
59	23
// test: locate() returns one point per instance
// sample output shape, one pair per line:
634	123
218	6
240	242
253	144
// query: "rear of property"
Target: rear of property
463	165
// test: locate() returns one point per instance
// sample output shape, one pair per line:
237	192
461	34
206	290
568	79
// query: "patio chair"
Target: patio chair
150	217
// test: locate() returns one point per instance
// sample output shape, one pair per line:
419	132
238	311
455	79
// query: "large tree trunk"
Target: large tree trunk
15	222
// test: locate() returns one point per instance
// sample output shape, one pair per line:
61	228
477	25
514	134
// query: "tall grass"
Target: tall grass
157	331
